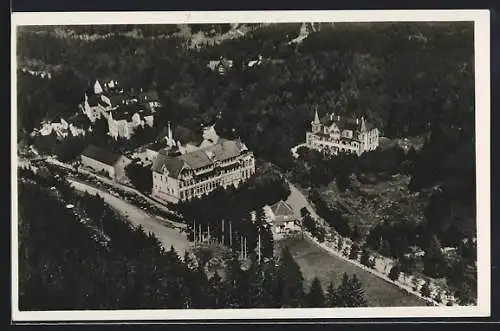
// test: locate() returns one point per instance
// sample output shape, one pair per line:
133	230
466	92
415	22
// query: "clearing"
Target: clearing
316	262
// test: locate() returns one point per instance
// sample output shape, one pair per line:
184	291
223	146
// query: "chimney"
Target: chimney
169	132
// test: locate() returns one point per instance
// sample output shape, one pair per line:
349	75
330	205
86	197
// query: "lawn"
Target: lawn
316	262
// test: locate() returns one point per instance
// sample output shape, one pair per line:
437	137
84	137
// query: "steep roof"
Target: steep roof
174	165
101	155
186	135
281	208
156	146
223	150
125	112
345	123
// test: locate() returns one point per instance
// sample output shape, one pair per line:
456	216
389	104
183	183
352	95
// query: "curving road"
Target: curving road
168	236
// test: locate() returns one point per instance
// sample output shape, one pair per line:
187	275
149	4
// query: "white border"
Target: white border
481	20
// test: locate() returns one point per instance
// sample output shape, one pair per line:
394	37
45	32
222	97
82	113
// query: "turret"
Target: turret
97	87
316	124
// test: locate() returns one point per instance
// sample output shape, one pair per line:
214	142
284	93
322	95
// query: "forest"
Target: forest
63	268
409	79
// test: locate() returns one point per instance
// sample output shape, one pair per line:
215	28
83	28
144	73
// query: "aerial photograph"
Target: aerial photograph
270	165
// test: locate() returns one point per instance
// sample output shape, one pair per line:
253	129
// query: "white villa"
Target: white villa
333	134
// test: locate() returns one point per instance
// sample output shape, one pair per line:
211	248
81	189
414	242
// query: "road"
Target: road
297	201
136	216
113	183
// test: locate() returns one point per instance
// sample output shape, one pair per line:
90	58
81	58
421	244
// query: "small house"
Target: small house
103	161
282	217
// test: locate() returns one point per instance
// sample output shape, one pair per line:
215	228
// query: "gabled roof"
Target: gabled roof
186	135
174	165
281	208
196	159
199	158
101	155
157	146
345	123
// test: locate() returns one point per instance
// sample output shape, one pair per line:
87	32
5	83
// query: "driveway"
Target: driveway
168	236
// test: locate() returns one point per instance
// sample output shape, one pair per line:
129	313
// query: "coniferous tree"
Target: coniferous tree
394	273
365	259
270	284
235	285
316	297
425	290
433	258
351	293
257	292
289	281
216	292
353	254
331	299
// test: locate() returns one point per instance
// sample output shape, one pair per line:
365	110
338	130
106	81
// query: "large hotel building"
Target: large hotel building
199	171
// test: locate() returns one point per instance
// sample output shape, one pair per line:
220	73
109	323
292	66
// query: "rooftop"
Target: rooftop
281	208
200	158
345	123
101	155
156	146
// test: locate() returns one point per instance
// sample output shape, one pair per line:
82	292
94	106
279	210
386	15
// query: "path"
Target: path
113	183
167	236
297	201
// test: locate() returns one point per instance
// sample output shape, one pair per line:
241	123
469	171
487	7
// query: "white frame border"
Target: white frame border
481	20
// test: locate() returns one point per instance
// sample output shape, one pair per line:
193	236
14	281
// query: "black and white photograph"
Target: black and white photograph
219	165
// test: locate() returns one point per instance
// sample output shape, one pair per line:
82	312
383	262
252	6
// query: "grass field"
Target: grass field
314	261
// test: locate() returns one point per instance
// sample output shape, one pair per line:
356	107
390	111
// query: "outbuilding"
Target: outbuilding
103	161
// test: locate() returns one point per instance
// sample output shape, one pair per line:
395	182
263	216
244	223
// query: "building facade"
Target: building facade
102	161
335	134
282	218
198	172
123	123
74	126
